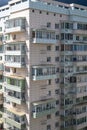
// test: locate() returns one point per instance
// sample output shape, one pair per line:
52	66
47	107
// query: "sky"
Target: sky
81	2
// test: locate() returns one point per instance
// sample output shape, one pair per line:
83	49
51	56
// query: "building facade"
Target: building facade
43	65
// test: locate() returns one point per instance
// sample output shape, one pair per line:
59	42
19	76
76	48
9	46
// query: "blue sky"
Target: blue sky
82	2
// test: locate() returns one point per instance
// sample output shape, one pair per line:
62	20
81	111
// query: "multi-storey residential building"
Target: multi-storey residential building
43	65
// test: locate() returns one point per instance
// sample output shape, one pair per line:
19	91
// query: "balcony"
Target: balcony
1	40
43	72
1	110
43	108
1	79
16	120
14	96
17	48
1	98
15	83
44	37
16	61
15	25
1	67
1	31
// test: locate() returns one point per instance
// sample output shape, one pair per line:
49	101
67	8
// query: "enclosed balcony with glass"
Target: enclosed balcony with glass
43	72
1	78
44	36
15	83
1	31
1	68
43	108
15	25
15	119
14	96
17	61
1	39
17	48
81	28
67	38
66	27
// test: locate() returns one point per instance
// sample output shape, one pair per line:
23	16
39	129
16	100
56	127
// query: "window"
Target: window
0	57
49	82
57	70
48	127
7	69
48	59
24	0
47	13
57	91
33	11
57	80
57	102
49	116
57	37
14	37
48	48
14	70
49	93
40	12
56	48
56	59
49	25
57	124
60	15
57	113
56	26
77	38
54	14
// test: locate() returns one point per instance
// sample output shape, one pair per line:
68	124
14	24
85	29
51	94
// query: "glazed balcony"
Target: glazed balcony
66	27
15	83
1	31
16	118
15	25
16	61
1	110
43	72
1	40
44	37
1	78
14	96
43	108
1	98
17	48
67	38
1	67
